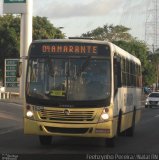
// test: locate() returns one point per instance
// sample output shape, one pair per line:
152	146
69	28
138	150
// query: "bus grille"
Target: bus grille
67	130
59	115
153	102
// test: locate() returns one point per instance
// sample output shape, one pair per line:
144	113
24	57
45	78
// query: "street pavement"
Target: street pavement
10	119
10	115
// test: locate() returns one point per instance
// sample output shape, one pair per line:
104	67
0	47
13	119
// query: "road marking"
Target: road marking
9	117
9	129
157	116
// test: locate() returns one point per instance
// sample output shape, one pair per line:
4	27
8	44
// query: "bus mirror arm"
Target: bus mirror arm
19	70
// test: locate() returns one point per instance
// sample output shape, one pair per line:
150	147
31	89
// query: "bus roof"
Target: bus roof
115	49
125	54
71	41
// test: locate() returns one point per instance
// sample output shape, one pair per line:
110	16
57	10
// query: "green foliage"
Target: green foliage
9	38
110	33
0	74
43	29
140	50
119	35
136	48
153	61
149	74
10	35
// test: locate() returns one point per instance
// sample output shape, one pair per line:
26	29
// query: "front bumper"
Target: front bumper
152	104
105	129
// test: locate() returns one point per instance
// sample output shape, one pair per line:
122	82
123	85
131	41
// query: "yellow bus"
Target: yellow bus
83	88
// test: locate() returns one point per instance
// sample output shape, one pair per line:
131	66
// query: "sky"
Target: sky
80	16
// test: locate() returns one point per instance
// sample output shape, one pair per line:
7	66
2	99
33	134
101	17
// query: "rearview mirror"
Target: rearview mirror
19	70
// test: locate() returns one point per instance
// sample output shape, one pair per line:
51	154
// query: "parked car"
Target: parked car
152	100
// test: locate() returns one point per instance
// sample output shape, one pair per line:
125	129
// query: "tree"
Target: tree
43	29
154	60
10	35
110	33
119	35
140	50
9	39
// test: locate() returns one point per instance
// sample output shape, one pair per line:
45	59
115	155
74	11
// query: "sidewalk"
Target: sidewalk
12	100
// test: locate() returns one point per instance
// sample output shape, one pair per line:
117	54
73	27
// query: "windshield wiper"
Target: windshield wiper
84	65
37	95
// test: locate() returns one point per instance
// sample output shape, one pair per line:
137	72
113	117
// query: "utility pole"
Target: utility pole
25	40
152	25
23	7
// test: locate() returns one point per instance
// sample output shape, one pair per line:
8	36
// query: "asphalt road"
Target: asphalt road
14	142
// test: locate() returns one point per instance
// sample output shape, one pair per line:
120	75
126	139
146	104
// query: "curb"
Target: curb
15	100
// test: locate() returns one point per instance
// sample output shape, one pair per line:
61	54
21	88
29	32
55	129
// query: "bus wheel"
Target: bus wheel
45	140
130	131
110	142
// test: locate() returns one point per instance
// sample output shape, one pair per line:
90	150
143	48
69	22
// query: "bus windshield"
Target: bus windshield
69	79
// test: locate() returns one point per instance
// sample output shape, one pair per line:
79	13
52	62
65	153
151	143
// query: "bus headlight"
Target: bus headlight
29	114
105	115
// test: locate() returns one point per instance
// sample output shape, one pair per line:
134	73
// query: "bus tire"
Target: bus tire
45	140
110	142
130	131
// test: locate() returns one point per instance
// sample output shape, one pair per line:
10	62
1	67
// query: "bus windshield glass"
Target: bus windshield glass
69	79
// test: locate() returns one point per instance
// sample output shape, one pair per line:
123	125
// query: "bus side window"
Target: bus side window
117	72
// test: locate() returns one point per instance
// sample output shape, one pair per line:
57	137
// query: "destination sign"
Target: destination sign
44	49
76	49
